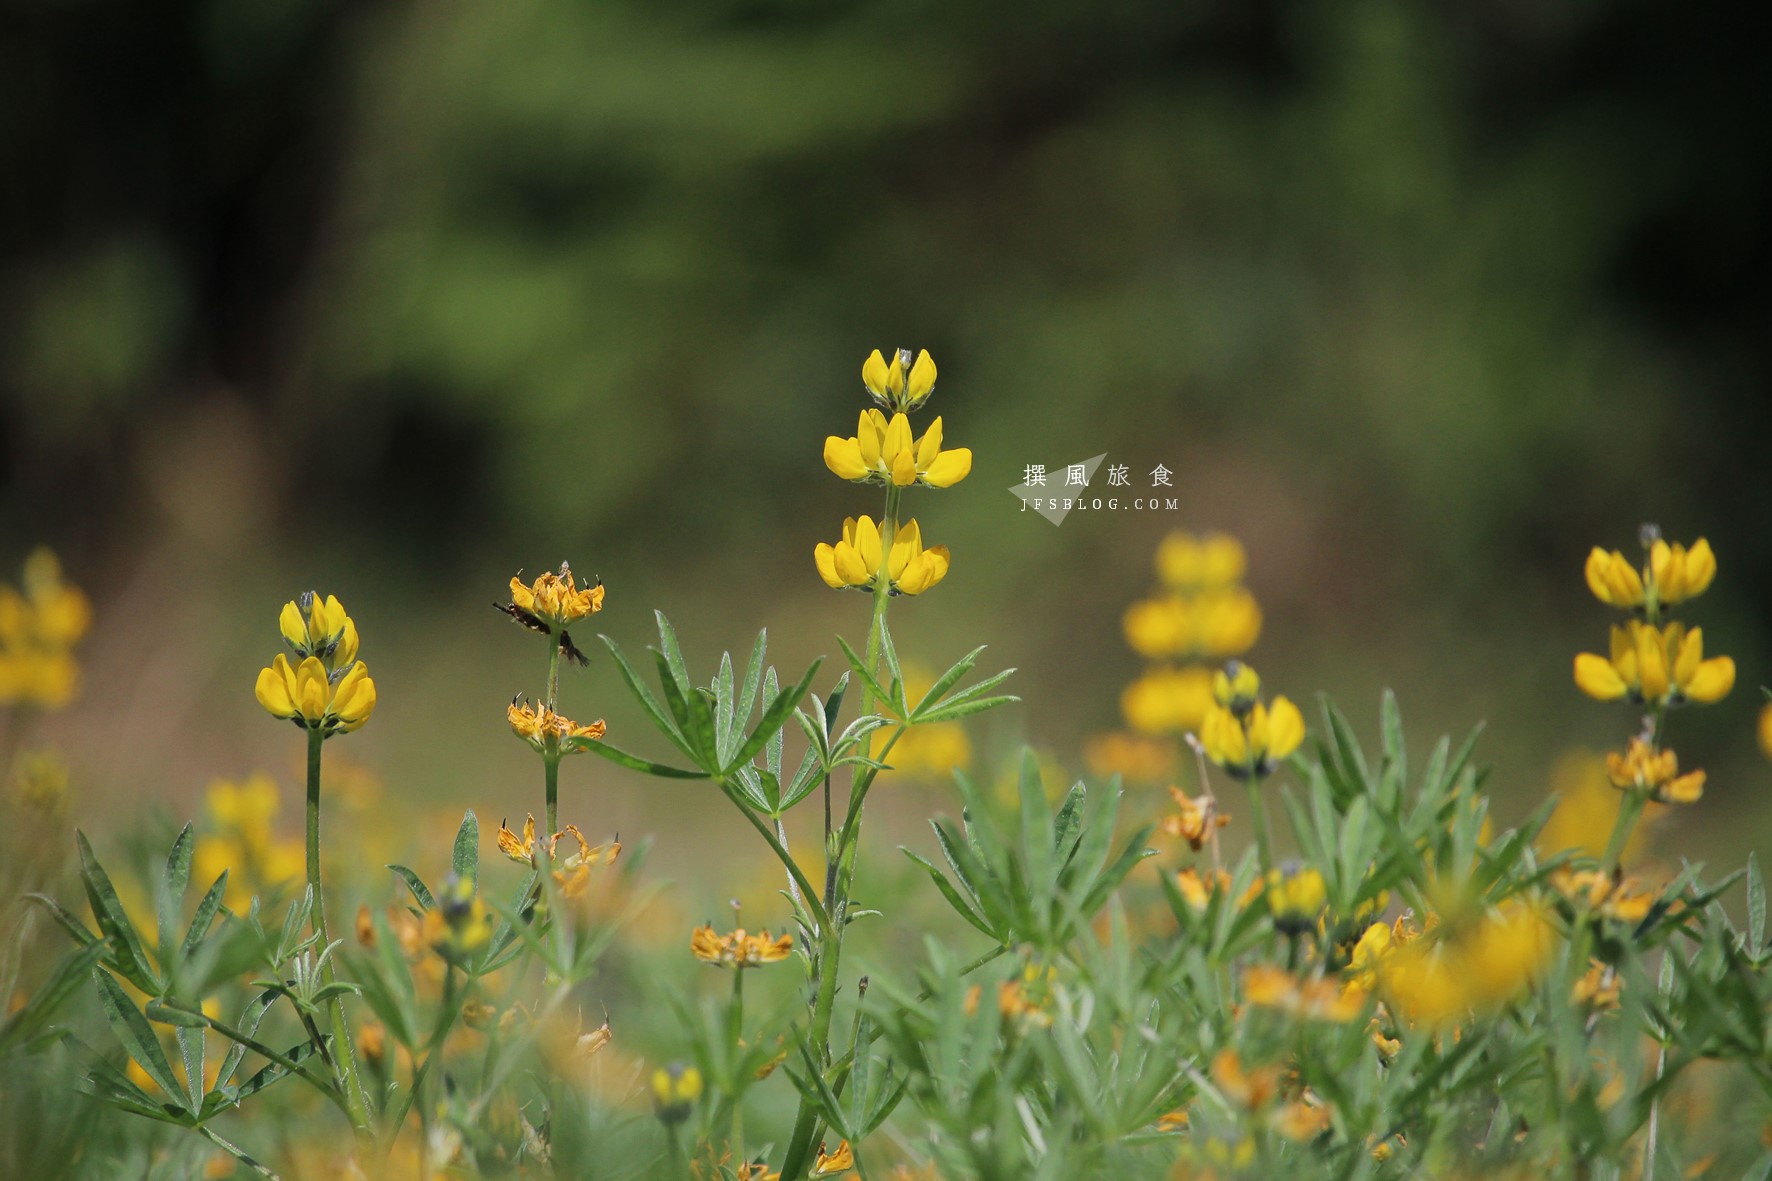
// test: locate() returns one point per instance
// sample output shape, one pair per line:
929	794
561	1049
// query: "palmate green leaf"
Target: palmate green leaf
622	758
961	709
466	855
129	958
644	696
249	1023
25	1027
694	716
1391	730
959	904
1036	824
870	682
775	716
889	654
65	920
105	1081
725	710
133	1030
746	702
672	654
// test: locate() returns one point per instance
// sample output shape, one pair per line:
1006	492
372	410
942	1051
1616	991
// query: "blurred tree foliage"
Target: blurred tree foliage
1489	279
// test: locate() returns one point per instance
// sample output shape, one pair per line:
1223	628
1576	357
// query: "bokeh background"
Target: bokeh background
395	300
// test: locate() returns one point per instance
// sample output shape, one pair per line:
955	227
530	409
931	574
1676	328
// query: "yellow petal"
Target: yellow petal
851	568
1712	681
873	374
1652	664
870	432
1688	655
867	543
843	456
354	699
313	691
897	440
1661	562
904	468
1701	567
272	689
521	596
929	446
949	468
922	380
1596	677
826	559
347	645
907	543
293	626
1285	728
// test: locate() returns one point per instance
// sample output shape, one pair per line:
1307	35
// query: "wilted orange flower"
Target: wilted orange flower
554	601
1644	768
739	949
1194	819
1598	988
542	728
1269	987
1610	895
830	1164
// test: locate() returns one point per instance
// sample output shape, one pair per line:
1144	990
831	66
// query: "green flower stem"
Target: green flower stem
1628	813
1264	841
344	1055
551	774
734	1035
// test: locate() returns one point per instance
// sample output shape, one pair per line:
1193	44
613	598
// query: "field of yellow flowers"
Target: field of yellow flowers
1247	946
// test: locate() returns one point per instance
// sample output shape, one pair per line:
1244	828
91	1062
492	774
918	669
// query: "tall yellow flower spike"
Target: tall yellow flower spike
882	452
1655	666
854	561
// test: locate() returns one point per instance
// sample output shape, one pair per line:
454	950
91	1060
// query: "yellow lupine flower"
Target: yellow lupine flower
1212	562
1252	744
1672	575
902	385
1374	944
1296	896
675	1089
1613	579
882	452
313	626
1267	986
739	949
308	695
1655	666
855	560
1681	573
1609	895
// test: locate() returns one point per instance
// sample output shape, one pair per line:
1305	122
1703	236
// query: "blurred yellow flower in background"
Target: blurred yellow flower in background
739	949
239	837
1587	809
40	623
1167	700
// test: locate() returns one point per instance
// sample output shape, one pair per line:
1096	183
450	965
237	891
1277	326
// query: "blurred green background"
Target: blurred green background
395	300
